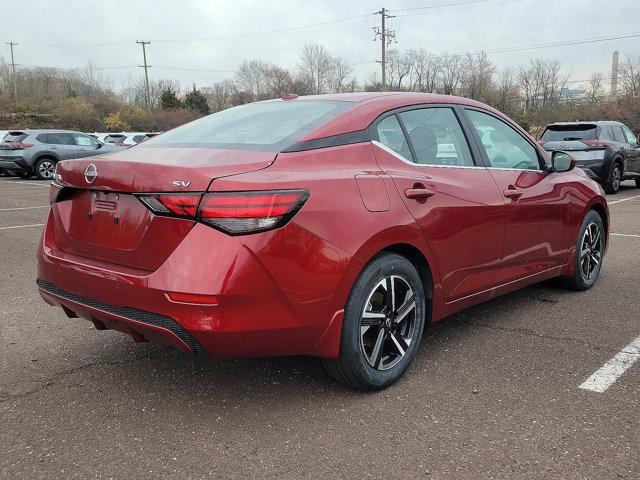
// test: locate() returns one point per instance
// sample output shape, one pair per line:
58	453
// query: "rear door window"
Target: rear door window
437	137
391	136
42	138
60	138
618	136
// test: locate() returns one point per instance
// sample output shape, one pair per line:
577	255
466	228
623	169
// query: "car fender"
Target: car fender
45	153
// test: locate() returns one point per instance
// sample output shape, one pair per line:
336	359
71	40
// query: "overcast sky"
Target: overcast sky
71	33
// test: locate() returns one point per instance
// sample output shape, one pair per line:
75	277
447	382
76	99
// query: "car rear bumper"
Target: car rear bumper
13	163
272	297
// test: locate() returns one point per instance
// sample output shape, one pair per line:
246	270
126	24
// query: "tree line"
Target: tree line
534	94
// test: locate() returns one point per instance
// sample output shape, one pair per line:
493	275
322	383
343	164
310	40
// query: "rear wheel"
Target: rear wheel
612	185
589	253
383	324
45	168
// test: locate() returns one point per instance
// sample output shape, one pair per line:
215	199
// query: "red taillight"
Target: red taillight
173	205
596	143
239	213
541	142
235	213
20	145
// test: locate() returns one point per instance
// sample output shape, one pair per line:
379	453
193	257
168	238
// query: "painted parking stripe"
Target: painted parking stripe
623	200
611	371
35	184
23	208
630	235
23	226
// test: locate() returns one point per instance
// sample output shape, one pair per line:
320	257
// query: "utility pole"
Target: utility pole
146	68
386	36
13	69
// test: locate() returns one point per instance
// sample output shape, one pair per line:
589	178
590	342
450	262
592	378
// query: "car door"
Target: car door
536	202
633	153
453	199
87	146
63	144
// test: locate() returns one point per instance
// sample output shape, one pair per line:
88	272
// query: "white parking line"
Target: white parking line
23	226
610	371
35	184
623	200
625	235
23	208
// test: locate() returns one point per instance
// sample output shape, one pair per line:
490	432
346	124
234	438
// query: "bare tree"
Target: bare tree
596	88
450	74
424	72
477	76
398	68
629	75
542	84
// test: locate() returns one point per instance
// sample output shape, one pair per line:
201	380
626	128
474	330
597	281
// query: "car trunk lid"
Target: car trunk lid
98	215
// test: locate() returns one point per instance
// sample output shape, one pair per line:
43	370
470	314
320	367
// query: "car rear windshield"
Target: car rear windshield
562	133
114	138
15	137
265	126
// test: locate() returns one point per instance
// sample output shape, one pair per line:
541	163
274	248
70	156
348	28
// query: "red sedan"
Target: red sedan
335	226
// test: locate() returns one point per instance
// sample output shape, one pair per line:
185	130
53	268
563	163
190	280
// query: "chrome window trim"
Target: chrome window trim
400	157
516	169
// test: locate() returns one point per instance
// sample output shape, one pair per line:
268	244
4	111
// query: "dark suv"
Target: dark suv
607	151
35	152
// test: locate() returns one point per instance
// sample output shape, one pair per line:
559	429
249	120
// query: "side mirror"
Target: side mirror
562	161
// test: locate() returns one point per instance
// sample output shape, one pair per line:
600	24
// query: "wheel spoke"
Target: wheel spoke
584	252
371	318
376	353
406	308
391	292
399	343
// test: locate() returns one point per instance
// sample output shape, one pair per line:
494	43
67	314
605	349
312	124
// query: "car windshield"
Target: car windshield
560	133
264	126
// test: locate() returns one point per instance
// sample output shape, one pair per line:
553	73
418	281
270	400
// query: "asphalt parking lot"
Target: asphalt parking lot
494	392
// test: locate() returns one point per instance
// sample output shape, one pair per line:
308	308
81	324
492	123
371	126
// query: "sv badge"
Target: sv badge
181	183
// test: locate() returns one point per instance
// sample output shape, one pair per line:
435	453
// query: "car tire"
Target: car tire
590	247
45	168
381	334
612	185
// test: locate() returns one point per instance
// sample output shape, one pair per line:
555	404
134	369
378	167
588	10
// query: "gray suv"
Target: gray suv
35	152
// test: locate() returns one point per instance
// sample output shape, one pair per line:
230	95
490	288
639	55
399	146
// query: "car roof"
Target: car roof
370	105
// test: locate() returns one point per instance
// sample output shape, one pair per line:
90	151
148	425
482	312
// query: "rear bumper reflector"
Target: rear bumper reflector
130	313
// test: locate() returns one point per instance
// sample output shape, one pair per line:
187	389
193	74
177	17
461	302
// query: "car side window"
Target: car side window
84	140
391	135
59	138
618	136
631	138
437	137
504	146
42	138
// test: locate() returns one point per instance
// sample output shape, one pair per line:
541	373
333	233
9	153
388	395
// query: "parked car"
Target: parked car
149	135
607	151
36	152
125	139
333	226
3	133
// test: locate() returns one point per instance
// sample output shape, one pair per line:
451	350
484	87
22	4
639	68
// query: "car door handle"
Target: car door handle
419	193
514	194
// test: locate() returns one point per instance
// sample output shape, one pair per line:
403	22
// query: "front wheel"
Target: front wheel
383	324
590	248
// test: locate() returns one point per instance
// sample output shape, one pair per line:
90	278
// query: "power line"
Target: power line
472	3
